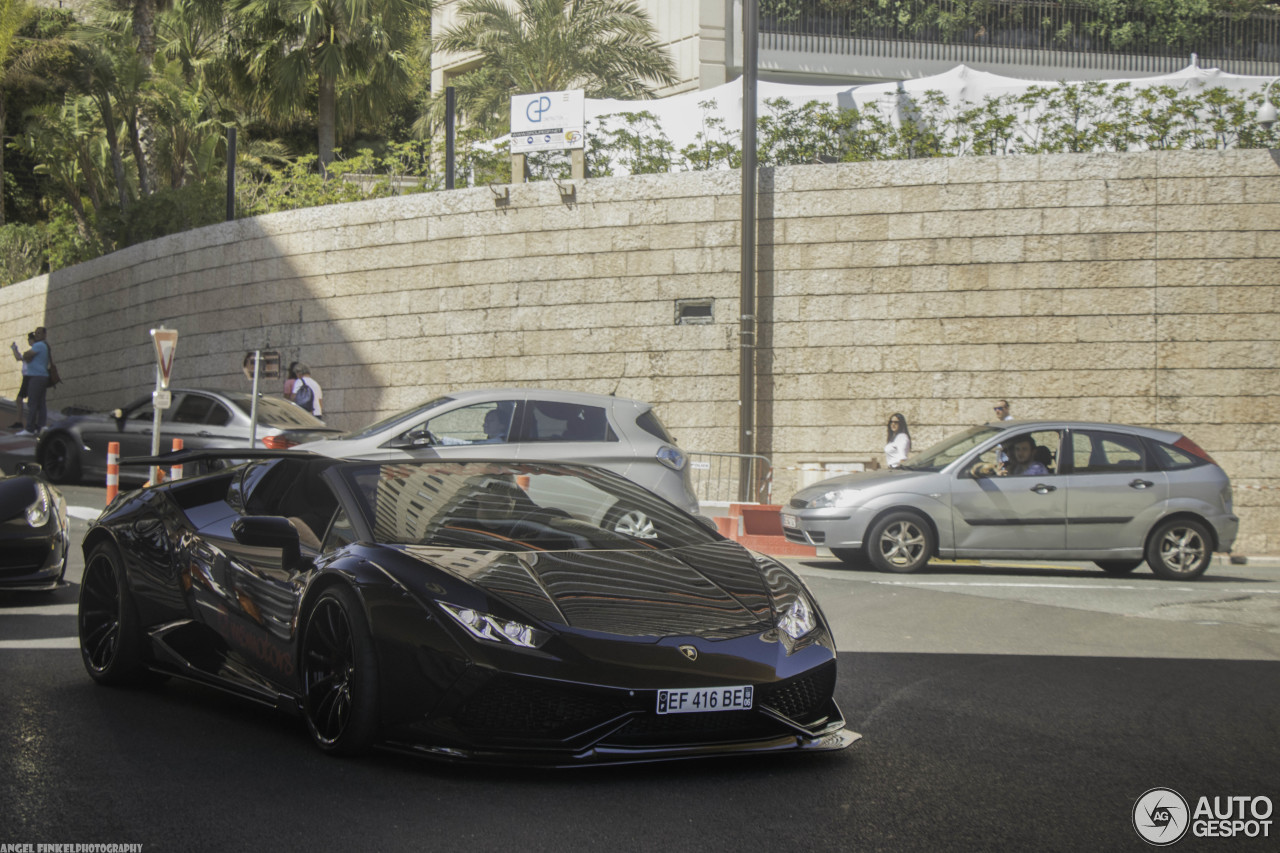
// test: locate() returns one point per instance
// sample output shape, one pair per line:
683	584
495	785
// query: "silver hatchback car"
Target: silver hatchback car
1046	490
622	435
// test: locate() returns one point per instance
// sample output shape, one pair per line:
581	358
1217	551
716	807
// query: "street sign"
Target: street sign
166	342
162	399
269	366
548	121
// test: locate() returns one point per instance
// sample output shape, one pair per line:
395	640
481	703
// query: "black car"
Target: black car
33	531
75	446
462	610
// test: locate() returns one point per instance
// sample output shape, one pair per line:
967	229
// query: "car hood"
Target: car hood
715	590
859	480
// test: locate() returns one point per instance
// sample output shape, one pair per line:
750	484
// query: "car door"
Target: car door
560	431
1115	491
1012	515
132	430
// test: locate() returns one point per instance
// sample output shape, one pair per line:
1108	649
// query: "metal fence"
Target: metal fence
716	477
1081	35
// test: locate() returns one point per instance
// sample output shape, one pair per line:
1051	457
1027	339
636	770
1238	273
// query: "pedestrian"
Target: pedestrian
306	391
897	441
22	389
38	358
290	379
1002	410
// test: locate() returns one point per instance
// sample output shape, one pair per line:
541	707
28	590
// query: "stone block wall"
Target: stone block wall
1140	288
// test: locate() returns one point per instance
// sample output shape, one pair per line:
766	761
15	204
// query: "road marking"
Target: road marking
41	610
1152	588
45	643
87	513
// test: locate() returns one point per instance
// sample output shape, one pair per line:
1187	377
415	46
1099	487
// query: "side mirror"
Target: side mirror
269	531
419	437
28	469
118	415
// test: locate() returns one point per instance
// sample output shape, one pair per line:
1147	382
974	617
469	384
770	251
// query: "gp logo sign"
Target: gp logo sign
1161	816
547	121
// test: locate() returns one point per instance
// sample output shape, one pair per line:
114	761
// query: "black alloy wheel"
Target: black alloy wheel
61	459
110	640
339	674
1117	567
1180	549
900	542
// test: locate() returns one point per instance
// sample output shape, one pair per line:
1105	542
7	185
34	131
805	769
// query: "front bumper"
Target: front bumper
32	559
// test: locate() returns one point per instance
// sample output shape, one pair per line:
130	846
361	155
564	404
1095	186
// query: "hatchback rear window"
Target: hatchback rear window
649	423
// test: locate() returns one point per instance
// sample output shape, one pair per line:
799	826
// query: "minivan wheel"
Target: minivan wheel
1180	550
900	542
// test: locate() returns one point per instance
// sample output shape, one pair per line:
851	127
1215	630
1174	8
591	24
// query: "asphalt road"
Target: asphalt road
1018	707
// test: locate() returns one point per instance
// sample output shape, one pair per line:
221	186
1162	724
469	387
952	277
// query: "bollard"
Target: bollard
175	472
113	470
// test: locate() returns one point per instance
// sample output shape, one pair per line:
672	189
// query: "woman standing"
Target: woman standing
898	441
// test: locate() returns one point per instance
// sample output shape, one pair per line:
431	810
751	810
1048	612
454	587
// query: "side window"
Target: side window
193	409
1106	453
649	423
483	423
548	421
341	532
218	415
1172	458
1025	454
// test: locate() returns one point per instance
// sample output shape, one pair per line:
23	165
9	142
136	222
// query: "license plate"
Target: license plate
705	699
790	521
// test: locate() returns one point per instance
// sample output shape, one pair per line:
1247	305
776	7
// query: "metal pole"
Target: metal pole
450	107
747	302
231	174
155	427
253	406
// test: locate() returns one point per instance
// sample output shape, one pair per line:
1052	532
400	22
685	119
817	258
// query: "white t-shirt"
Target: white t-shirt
895	452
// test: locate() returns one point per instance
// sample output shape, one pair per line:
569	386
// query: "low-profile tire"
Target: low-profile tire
339	674
1117	567
630	521
110	637
1180	549
60	459
900	542
854	558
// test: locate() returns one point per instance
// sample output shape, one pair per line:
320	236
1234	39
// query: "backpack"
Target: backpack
304	396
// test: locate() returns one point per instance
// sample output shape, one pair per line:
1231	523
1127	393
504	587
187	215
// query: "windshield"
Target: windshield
495	506
945	452
405	417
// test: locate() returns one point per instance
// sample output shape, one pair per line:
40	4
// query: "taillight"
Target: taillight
278	442
1189	446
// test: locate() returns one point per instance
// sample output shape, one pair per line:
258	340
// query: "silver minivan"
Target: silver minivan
622	435
1047	490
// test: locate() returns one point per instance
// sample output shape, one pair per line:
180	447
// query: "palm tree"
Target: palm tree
355	53
608	48
14	14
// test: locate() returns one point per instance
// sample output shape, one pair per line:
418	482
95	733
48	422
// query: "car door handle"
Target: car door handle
1042	489
204	433
1140	484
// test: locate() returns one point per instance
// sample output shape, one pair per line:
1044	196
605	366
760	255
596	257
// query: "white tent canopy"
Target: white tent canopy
681	117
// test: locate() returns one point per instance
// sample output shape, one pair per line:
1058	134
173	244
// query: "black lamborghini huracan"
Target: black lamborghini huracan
461	610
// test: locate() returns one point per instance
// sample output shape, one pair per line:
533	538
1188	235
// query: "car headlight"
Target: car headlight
798	619
483	626
834	498
38	512
670	456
